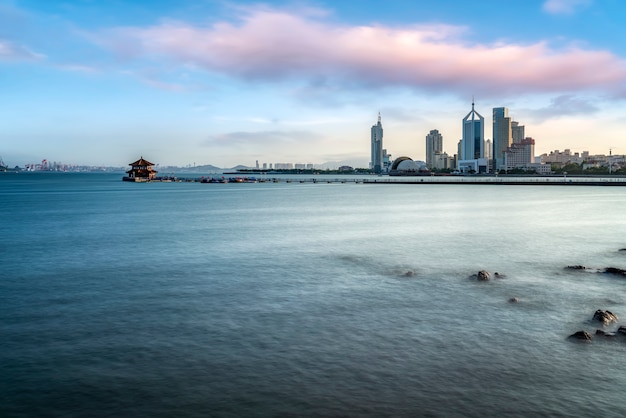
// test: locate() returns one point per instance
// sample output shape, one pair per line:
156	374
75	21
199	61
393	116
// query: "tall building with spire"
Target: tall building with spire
472	144
376	163
473	136
434	145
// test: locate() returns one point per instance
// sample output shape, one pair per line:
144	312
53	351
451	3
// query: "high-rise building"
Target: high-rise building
502	136
376	163
517	132
434	145
473	136
488	149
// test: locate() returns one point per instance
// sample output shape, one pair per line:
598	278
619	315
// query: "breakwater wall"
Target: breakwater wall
421	180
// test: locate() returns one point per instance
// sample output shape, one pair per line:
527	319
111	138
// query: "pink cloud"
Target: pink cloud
274	45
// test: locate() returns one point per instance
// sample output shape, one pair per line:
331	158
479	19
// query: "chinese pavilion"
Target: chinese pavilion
141	170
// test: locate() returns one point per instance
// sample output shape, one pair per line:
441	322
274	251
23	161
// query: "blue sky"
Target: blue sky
232	82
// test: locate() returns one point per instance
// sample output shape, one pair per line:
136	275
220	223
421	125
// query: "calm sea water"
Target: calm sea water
276	299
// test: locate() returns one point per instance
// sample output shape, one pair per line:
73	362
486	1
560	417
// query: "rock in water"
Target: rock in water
514	300
616	271
621	331
580	335
576	267
606	317
483	275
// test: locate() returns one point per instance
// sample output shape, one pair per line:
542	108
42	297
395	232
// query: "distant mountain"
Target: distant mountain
240	167
208	168
333	165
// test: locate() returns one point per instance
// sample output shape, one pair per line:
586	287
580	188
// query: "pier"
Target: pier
417	180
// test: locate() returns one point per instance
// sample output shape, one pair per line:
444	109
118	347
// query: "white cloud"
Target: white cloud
13	52
558	7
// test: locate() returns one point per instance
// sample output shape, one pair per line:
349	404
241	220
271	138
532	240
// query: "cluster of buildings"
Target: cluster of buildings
509	148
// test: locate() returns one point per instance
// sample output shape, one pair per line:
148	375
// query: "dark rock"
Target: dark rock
576	267
622	249
622	330
483	276
580	335
499	275
409	273
604	333
616	271
514	300
606	317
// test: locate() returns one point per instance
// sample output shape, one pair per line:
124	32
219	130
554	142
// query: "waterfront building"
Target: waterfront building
442	161
502	136
405	166
387	161
520	154
472	153
434	145
561	158
283	166
376	162
141	170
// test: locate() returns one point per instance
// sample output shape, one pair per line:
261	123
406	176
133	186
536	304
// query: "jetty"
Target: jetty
416	180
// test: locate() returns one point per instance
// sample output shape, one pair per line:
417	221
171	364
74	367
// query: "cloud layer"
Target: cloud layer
10	51
274	45
564	6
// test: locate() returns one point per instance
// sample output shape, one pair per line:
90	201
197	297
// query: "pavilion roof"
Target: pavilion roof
141	161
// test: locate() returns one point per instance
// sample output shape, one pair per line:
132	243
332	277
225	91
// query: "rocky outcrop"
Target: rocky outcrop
576	267
580	335
616	271
483	276
605	317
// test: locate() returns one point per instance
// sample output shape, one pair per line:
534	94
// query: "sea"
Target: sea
322	299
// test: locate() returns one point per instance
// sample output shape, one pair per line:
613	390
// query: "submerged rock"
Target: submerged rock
616	271
499	275
581	335
513	300
606	317
576	267
621	331
409	273
604	333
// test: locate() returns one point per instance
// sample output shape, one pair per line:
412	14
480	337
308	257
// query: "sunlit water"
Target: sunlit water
277	299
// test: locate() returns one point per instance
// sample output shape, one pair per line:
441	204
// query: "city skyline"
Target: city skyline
227	83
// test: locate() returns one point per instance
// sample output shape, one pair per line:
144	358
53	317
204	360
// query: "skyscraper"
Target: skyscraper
473	136
518	132
376	163
502	136
434	145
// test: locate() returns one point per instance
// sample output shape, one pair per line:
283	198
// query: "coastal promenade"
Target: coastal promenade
418	180
504	180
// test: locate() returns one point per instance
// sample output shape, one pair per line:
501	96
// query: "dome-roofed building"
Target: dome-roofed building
405	166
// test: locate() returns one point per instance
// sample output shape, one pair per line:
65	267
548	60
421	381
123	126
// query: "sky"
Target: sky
220	82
